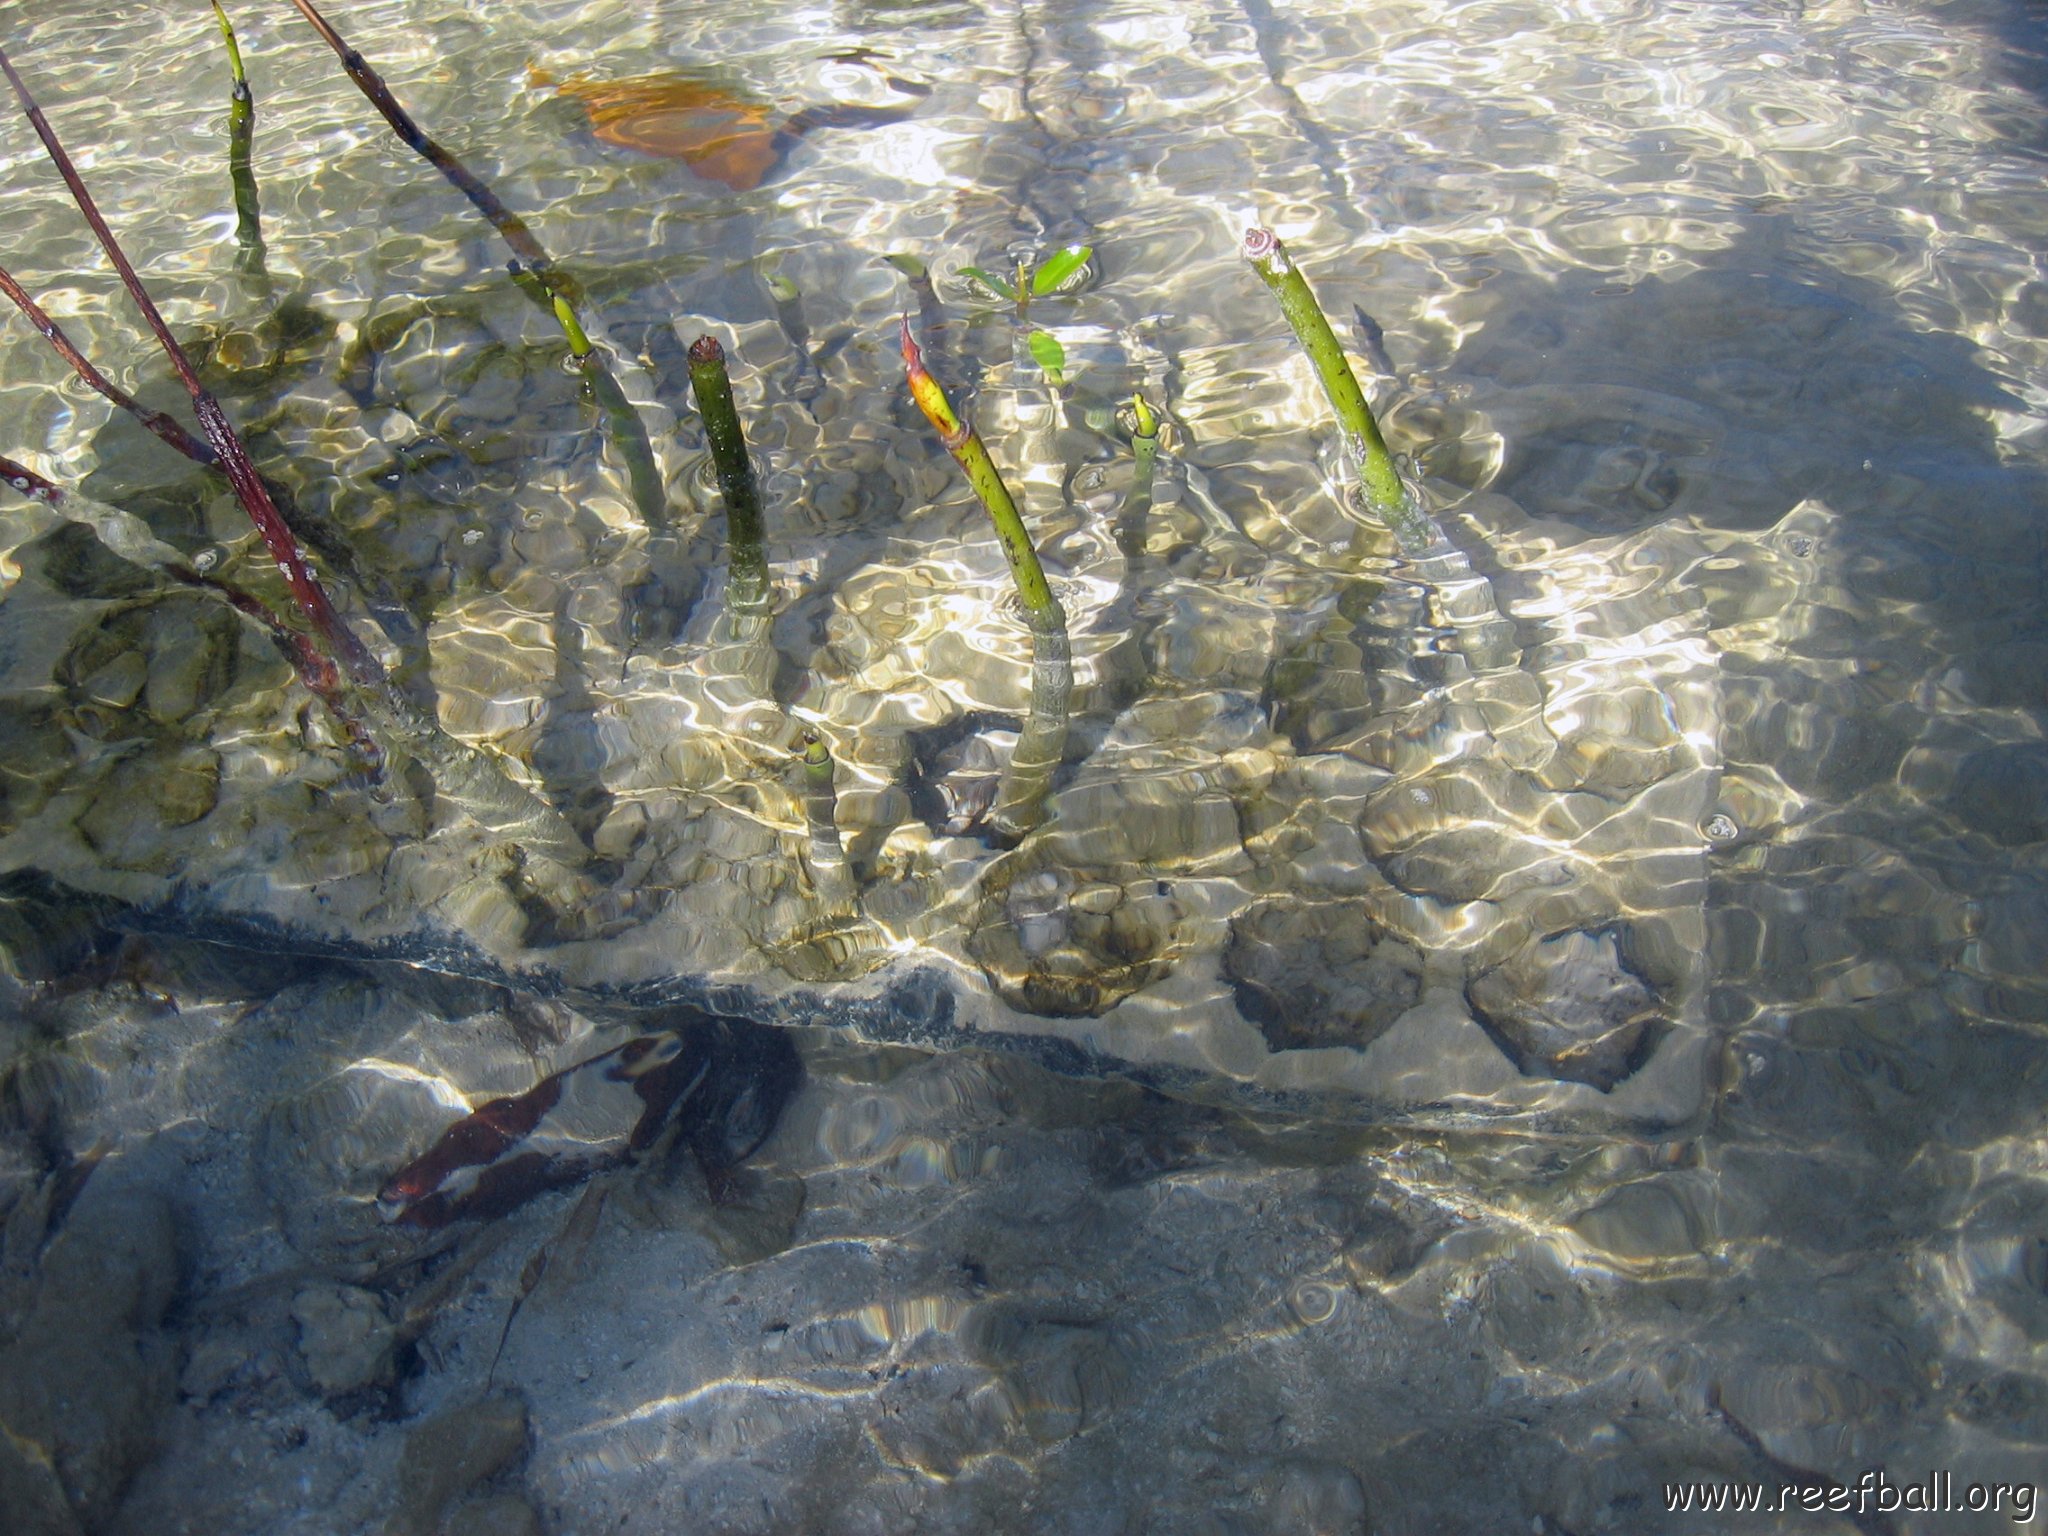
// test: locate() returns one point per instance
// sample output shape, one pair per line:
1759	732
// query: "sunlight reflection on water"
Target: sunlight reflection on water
1642	996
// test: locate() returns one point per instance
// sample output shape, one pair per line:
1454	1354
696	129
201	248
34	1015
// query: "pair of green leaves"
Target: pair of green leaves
1034	282
1030	282
1049	276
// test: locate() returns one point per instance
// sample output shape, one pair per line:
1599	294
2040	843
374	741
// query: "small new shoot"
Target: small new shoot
1058	273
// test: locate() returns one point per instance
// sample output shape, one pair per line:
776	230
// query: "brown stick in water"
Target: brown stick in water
312	600
527	248
163	426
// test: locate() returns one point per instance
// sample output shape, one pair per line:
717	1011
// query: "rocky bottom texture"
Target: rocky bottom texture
957	1293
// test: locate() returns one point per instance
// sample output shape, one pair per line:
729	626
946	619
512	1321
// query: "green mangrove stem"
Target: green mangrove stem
565	317
1144	447
1385	496
964	443
227	32
532	268
1020	797
241	136
821	818
1269	258
712	386
1042	744
248	212
628	434
817	761
1144	457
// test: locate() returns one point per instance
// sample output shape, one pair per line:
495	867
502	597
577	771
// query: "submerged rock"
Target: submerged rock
1319	1498
1319	973
503	1514
1568	1007
1067	942
450	1454
953	785
87	1376
346	1338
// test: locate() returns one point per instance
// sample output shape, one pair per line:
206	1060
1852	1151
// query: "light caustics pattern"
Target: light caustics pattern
1694	932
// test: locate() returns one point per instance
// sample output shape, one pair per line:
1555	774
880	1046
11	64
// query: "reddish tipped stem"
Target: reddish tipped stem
929	395
972	456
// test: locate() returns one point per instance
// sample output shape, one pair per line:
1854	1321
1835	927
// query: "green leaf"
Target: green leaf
1049	277
991	282
1052	357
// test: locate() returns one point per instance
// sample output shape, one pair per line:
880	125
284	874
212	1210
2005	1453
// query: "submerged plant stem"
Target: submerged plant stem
311	599
508	224
1144	457
130	538
821	819
628	434
1385	496
565	317
466	776
248	213
227	33
964	443
532	269
712	386
1020	798
31	484
241	133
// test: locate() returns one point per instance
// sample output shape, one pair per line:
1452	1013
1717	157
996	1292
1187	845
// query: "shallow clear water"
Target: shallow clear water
1485	1036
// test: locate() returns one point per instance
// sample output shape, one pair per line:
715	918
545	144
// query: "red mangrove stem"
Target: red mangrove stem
277	536
508	224
30	484
163	426
128	537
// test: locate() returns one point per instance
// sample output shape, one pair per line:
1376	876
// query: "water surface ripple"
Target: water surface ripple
1483	1038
